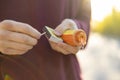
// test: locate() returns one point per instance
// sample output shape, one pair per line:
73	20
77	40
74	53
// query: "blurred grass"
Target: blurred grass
110	26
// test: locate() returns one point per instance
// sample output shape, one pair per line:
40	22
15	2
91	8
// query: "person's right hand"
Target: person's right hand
17	38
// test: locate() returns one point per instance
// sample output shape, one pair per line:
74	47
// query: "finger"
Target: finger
70	23
66	24
15	45
20	27
18	37
61	50
55	47
9	51
60	29
69	48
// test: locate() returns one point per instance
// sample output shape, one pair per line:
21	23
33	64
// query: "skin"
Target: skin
17	38
64	48
61	46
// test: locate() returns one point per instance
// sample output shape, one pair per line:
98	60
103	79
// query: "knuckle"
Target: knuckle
35	42
27	47
30	47
27	25
7	24
75	50
27	28
25	39
22	52
5	50
29	40
31	31
67	21
3	34
6	21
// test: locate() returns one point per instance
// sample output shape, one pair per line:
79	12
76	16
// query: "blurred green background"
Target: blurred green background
101	58
110	26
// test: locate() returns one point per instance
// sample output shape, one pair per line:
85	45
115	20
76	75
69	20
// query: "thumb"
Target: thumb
57	33
59	30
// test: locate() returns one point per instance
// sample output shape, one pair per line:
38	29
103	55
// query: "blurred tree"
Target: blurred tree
110	26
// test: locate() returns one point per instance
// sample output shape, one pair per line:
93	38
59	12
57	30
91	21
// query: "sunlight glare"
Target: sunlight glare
101	8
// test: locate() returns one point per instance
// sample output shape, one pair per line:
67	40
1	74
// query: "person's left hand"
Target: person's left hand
61	46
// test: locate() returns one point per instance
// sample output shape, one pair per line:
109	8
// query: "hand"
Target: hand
17	38
63	48
66	24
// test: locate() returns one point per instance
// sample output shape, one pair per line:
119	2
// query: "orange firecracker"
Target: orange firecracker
74	37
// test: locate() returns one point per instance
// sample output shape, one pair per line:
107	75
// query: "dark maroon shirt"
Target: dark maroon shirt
42	63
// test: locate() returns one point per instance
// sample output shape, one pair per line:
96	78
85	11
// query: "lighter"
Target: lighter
71	37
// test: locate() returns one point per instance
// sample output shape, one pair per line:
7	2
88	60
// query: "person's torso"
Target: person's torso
40	63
